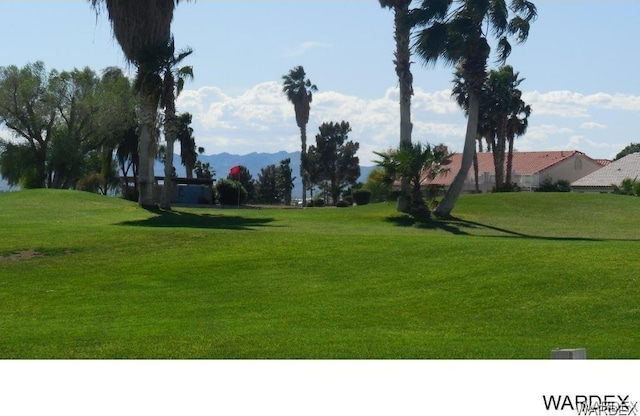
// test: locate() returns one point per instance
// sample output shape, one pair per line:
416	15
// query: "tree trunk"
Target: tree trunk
303	163
475	170
165	201
146	149
170	135
498	156
405	80
509	179
451	197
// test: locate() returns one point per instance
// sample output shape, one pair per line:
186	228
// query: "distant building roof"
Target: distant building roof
524	163
612	174
603	162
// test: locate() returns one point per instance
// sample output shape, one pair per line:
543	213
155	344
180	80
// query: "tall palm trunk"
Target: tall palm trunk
509	160
476	174
147	116
405	78
304	172
170	134
451	197
498	155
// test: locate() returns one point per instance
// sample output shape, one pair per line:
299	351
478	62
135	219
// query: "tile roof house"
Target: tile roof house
529	169
603	179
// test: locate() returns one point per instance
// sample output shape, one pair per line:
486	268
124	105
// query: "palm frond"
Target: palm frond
504	49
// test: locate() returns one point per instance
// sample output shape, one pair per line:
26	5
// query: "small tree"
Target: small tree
247	182
285	180
230	192
204	170
379	184
333	159
418	164
268	190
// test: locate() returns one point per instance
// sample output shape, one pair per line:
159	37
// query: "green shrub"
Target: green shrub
227	192
316	202
511	187
547	185
563	185
361	196
393	196
349	199
627	187
343	203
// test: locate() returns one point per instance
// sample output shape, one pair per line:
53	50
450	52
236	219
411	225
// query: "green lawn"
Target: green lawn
514	276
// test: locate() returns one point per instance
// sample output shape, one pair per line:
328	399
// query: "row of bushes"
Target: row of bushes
357	197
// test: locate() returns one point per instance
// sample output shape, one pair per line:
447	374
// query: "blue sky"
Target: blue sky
579	64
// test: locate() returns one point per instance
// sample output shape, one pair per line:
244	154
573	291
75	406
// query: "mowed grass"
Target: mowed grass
513	276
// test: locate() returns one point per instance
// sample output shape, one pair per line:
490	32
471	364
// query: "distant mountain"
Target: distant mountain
254	162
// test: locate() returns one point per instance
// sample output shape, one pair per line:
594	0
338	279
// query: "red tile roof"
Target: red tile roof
526	163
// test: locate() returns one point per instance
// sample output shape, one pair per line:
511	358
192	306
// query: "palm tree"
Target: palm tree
299	91
188	149
459	36
402	63
485	127
417	164
174	79
139	27
503	115
517	123
509	118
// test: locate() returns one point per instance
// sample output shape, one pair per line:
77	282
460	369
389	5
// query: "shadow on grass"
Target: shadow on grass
189	220
463	227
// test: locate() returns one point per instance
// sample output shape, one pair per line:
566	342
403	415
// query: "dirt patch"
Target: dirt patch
21	255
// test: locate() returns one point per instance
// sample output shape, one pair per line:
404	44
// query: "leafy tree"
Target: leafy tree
117	127
632	148
333	159
459	37
28	110
299	91
268	189
419	164
142	28
230	192
84	115
285	180
17	164
379	184
246	180
91	109
128	160
402	63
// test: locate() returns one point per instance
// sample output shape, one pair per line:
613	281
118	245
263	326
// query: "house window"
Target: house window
578	164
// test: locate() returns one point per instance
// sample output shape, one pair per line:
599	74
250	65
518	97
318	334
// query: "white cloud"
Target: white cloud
260	119
575	105
592	126
304	48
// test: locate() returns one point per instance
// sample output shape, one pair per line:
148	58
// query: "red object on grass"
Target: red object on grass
235	171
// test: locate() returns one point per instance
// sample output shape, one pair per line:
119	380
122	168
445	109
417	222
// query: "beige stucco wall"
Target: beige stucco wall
571	169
